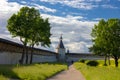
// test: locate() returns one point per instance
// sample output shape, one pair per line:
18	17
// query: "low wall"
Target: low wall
77	57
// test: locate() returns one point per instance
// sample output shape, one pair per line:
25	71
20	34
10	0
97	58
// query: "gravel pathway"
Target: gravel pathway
70	74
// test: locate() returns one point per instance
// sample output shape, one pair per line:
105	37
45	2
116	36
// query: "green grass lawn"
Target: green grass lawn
30	72
99	72
3	77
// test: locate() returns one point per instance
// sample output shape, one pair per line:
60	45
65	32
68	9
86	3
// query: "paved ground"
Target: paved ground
71	74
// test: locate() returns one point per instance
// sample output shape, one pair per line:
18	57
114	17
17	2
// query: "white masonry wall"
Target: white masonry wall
9	58
69	58
13	58
43	58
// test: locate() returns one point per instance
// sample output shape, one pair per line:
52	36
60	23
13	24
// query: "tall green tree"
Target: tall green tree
114	38
106	37
18	26
40	34
98	34
30	27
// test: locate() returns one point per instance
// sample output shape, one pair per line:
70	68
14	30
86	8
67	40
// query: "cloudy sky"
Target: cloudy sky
72	18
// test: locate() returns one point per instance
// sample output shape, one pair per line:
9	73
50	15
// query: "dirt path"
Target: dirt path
71	74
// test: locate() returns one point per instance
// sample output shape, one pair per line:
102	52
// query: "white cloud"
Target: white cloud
97	19
109	6
37	6
80	4
7	9
77	47
96	0
74	17
45	9
75	32
23	2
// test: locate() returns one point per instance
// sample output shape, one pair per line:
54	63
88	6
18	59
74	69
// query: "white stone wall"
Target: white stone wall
42	58
13	58
9	58
69	58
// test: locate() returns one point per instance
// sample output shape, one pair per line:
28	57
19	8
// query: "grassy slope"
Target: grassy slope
30	72
3	77
100	72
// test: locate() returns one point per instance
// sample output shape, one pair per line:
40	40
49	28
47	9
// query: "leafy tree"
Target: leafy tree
114	38
40	33
106	37
99	44
30	27
18	26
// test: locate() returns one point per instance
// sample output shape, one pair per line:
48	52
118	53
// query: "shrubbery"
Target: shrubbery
82	61
92	63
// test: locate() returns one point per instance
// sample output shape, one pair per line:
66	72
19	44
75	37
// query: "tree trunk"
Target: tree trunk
109	59
26	55
105	62
21	61
116	61
31	57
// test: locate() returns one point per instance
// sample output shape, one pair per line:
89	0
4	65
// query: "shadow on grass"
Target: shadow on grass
7	71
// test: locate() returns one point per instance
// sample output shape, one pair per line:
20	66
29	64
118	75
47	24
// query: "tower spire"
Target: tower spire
61	37
61	45
61	50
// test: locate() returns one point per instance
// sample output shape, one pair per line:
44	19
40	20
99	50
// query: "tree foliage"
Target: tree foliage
106	38
31	28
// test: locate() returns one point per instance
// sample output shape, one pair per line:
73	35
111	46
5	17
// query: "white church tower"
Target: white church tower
61	51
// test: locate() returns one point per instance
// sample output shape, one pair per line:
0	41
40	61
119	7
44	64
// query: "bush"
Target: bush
82	61
92	63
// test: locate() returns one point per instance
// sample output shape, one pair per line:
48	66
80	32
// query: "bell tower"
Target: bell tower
61	51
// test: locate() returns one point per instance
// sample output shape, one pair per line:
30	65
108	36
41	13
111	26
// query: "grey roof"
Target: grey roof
61	45
10	42
21	46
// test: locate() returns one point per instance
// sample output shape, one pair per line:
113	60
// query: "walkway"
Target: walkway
71	74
